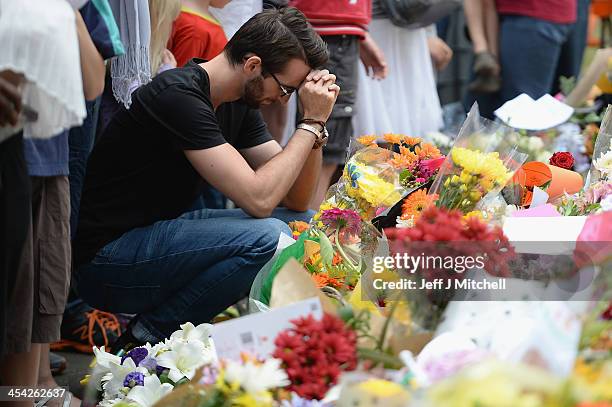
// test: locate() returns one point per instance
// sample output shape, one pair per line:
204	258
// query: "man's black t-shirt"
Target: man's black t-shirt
138	174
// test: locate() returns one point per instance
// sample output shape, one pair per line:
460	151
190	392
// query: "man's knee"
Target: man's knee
269	231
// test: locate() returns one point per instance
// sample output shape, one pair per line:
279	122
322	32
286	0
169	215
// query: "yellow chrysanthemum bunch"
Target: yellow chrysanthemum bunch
370	187
484	165
475	174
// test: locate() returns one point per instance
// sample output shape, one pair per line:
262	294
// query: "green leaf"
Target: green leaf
327	251
404	174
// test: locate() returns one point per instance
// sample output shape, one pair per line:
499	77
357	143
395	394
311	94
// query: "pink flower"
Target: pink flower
598	191
342	220
432	164
594	244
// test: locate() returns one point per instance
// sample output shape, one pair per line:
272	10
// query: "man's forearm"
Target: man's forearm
304	186
275	178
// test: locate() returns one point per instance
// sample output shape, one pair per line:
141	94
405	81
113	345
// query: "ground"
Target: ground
78	367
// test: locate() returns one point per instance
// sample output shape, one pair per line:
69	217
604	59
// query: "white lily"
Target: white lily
101	369
150	393
255	378
109	402
604	163
190	333
184	359
114	386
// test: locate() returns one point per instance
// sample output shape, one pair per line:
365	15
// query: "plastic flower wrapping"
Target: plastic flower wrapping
480	164
340	241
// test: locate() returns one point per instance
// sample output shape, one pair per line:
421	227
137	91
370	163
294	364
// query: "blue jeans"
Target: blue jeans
80	143
180	270
530	51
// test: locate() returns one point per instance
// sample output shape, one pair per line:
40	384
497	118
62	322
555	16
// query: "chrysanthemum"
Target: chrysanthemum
367	140
416	203
412	141
324	280
393	138
427	151
402	161
342	219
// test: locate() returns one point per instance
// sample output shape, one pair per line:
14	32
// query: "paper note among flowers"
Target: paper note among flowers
523	112
255	333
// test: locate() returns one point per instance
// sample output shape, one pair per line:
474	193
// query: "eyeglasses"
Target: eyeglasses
285	90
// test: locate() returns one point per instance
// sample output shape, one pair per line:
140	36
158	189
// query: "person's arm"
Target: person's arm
259	191
92	64
10	98
300	194
372	58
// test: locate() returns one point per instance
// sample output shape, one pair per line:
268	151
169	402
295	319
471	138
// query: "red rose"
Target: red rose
563	159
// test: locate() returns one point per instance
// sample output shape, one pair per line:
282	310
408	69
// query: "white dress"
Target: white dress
39	40
407	100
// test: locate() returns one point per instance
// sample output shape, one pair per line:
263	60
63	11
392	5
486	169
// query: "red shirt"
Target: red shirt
336	17
195	35
556	11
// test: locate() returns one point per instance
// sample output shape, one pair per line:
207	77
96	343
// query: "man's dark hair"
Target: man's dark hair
277	36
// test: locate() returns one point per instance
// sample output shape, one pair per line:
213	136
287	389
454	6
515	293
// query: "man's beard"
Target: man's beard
253	92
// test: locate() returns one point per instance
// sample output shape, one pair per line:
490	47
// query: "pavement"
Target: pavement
76	369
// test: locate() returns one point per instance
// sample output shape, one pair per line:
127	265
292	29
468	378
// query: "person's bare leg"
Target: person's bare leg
20	370
491	23
327	171
275	116
46	379
474	15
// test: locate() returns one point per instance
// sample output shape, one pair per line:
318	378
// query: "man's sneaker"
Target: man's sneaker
84	327
58	363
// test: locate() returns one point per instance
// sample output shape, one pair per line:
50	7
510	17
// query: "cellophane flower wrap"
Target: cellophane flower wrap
601	167
480	164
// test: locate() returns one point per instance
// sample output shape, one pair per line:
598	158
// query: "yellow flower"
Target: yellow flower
367	140
375	190
473	214
382	388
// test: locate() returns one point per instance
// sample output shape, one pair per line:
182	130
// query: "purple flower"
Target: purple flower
340	219
297	401
159	370
209	375
133	379
598	191
137	355
149	363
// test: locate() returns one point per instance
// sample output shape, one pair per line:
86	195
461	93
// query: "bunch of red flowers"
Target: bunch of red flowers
466	237
314	353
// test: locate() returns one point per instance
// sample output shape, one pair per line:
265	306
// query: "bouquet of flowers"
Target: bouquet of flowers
247	382
315	353
478	165
448	239
147	373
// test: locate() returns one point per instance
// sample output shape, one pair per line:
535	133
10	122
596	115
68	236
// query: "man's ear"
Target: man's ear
252	65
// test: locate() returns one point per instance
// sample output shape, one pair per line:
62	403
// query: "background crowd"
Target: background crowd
67	66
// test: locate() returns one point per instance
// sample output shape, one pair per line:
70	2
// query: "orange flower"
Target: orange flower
427	151
337	259
323	280
401	161
367	140
416	203
412	141
393	138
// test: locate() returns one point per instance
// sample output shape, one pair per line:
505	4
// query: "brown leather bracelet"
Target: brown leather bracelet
308	121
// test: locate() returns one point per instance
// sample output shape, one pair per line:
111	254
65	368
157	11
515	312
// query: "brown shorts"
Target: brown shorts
344	63
50	255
